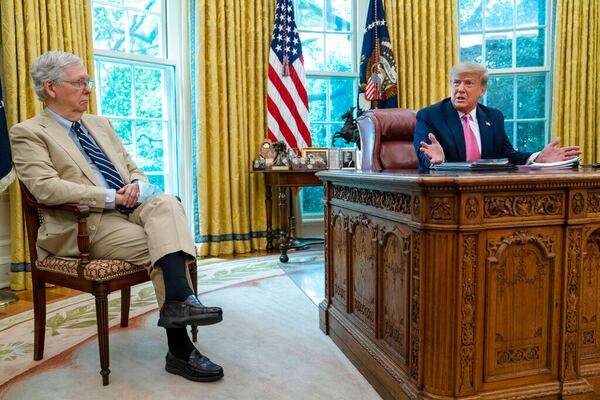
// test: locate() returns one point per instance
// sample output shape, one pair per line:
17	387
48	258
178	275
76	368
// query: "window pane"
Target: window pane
318	135
158	180
498	49
500	94
509	128
341	97
470	48
309	15
109	28
314	53
498	14
339	52
470	15
149	145
339	142
123	129
317	106
531	95
531	12
150	5
149	92
530	48
312	200
339	15
530	136
115	89
144	34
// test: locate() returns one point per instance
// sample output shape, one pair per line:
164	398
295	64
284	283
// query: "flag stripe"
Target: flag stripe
284	129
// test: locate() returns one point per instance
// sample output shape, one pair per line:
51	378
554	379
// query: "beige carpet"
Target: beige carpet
269	344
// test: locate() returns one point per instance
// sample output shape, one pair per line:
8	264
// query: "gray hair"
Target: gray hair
469	66
50	67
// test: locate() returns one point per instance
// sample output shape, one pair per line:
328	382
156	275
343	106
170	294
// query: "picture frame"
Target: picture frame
334	159
348	158
316	157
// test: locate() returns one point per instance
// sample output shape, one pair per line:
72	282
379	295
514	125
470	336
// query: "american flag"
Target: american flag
287	101
373	92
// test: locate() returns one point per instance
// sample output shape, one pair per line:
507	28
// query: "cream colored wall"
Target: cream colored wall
4	240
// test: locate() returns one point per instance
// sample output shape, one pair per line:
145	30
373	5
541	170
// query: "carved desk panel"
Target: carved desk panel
445	286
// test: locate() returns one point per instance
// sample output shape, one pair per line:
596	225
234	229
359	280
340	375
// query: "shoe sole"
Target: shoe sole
176	371
183	322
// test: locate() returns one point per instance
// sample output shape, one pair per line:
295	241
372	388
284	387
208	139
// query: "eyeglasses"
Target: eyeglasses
82	83
468	84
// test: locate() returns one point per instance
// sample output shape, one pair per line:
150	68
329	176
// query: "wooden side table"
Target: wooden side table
283	181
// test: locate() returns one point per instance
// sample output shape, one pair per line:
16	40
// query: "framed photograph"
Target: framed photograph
334	159
348	158
316	157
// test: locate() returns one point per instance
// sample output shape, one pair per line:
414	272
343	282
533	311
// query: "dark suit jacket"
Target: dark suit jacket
443	121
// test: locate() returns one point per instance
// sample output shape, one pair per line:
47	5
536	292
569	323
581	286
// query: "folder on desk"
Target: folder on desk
493	164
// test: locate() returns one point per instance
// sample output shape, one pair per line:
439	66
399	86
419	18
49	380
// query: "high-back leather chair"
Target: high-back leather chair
387	139
98	277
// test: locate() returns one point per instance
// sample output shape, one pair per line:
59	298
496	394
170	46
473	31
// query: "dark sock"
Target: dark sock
179	342
176	284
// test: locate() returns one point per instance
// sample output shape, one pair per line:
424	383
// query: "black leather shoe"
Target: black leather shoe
178	314
198	368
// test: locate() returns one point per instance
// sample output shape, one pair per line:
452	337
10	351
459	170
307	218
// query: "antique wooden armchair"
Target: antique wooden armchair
98	277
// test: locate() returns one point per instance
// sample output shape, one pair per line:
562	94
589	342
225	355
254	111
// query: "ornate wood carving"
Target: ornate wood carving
467	342
590	308
415	314
572	300
395	298
441	208
392	201
364	266
498	206
339	249
520	293
593	202
578	203
471	208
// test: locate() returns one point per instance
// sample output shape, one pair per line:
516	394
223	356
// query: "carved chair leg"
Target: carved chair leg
194	277
39	317
102	322
125	301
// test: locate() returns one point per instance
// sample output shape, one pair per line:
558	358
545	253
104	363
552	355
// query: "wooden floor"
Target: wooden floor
25	301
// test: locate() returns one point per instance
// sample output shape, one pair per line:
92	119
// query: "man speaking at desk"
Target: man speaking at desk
460	129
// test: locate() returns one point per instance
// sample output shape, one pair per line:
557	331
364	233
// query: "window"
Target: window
512	39
328	36
136	81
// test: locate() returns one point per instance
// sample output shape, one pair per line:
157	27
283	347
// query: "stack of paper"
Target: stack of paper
572	163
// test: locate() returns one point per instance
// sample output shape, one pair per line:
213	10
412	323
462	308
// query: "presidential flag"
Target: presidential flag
378	76
7	174
287	100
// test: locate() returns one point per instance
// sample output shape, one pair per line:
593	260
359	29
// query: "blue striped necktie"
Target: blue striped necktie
107	169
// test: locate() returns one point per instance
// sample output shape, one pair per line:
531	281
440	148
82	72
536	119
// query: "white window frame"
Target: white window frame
515	72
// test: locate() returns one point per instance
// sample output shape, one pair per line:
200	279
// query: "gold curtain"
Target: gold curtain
576	97
233	39
424	37
29	29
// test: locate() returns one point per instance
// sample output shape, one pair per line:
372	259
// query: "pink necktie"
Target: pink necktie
473	153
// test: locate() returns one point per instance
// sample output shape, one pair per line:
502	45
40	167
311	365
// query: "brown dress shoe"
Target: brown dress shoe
178	314
197	368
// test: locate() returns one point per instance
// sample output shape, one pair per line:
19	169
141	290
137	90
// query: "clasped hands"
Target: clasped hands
551	153
128	195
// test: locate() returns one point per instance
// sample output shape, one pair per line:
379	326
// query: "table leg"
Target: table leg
283	223
269	206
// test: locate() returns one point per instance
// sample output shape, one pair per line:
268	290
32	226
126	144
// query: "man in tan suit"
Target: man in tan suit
65	156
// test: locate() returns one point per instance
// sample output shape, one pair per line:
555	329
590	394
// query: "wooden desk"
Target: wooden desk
283	181
478	286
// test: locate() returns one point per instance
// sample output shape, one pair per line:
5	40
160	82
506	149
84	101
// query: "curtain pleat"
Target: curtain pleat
576	93
424	37
29	29
233	39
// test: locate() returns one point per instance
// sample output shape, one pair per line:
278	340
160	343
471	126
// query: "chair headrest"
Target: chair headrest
395	123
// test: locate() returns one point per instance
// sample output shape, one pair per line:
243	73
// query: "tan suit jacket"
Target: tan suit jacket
55	171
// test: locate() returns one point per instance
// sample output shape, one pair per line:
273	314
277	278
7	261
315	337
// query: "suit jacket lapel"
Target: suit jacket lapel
456	130
58	134
95	129
485	132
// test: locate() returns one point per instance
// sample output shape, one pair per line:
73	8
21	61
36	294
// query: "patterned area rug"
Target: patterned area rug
73	320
